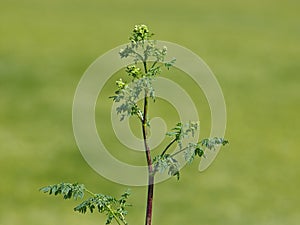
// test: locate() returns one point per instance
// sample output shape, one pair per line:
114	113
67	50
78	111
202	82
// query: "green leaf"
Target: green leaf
162	163
67	190
211	143
169	64
113	208
199	151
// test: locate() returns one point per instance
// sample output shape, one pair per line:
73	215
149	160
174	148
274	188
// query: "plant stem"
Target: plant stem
181	150
148	157
168	146
107	206
150	169
149	200
91	193
114	215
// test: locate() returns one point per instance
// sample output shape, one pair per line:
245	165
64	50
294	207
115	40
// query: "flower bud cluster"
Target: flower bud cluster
140	33
134	71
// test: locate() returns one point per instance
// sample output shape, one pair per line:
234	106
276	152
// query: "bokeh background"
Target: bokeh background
252	47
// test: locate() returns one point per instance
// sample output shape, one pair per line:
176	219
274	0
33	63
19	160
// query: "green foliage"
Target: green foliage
141	49
181	131
67	190
210	143
147	62
129	97
112	207
169	64
191	151
164	161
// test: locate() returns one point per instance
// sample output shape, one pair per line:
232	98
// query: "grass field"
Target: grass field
252	47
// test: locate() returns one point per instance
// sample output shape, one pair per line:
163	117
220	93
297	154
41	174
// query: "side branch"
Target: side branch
168	146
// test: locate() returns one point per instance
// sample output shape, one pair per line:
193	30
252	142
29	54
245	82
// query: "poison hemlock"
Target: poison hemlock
148	61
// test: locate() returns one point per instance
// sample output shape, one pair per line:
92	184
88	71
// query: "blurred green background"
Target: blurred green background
252	47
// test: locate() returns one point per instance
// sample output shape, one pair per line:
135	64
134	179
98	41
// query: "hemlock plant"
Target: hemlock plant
148	61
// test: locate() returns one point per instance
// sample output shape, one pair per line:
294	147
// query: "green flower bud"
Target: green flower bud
140	33
121	84
134	71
